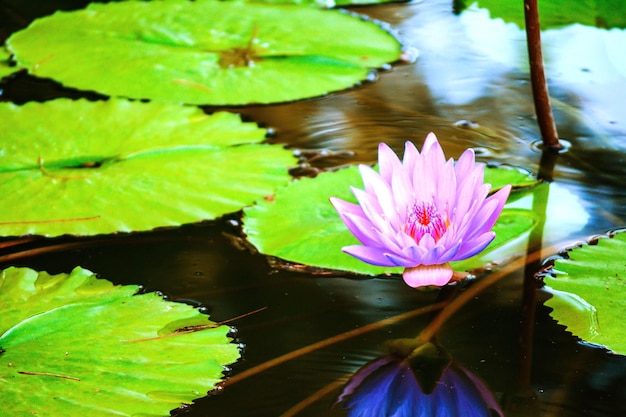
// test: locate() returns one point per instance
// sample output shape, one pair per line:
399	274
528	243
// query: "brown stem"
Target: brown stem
535	242
193	329
546	165
330	341
430	331
73	378
538	79
522	401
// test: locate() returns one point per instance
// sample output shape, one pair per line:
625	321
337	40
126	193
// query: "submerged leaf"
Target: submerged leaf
589	292
76	345
205	51
80	167
313	234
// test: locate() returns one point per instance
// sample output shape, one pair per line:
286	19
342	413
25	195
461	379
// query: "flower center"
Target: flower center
424	218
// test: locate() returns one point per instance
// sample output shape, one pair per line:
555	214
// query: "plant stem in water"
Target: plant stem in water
541	98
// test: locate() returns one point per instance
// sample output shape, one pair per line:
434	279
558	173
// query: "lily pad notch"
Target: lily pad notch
205	52
5	64
126	166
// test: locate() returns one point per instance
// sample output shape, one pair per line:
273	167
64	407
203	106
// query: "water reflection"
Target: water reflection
483	81
585	66
565	214
426	383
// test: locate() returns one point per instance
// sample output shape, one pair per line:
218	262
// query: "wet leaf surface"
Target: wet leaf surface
205	52
589	292
93	348
84	168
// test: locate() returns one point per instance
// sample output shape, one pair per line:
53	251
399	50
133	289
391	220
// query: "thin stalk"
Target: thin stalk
523	402
430	331
529	295
541	97
330	341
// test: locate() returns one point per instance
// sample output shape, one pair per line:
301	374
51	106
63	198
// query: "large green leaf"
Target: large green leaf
326	3
300	225
589	292
554	13
75	345
80	167
206	51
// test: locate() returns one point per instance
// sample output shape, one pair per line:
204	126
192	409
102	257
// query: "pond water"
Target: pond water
469	84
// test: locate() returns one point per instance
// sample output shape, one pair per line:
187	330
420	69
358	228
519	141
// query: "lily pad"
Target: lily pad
205	51
589	292
73	344
84	168
328	3
300	225
498	177
512	225
554	13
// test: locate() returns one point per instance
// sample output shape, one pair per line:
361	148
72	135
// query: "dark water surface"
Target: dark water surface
470	85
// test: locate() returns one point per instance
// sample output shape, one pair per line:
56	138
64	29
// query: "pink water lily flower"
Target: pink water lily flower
421	213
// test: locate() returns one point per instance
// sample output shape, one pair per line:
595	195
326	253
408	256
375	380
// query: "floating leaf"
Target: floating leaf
512	224
80	167
554	13
327	3
206	51
589	292
300	225
76	345
500	176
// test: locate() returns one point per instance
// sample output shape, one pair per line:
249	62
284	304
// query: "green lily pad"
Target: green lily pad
554	13
328	3
589	292
313	234
73	344
205	51
512	225
498	177
84	168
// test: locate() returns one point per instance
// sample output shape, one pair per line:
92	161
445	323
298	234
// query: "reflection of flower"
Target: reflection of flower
421	213
388	387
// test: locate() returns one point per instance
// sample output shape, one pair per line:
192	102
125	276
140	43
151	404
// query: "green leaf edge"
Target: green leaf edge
188	119
191	89
588	324
82	290
340	236
5	63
